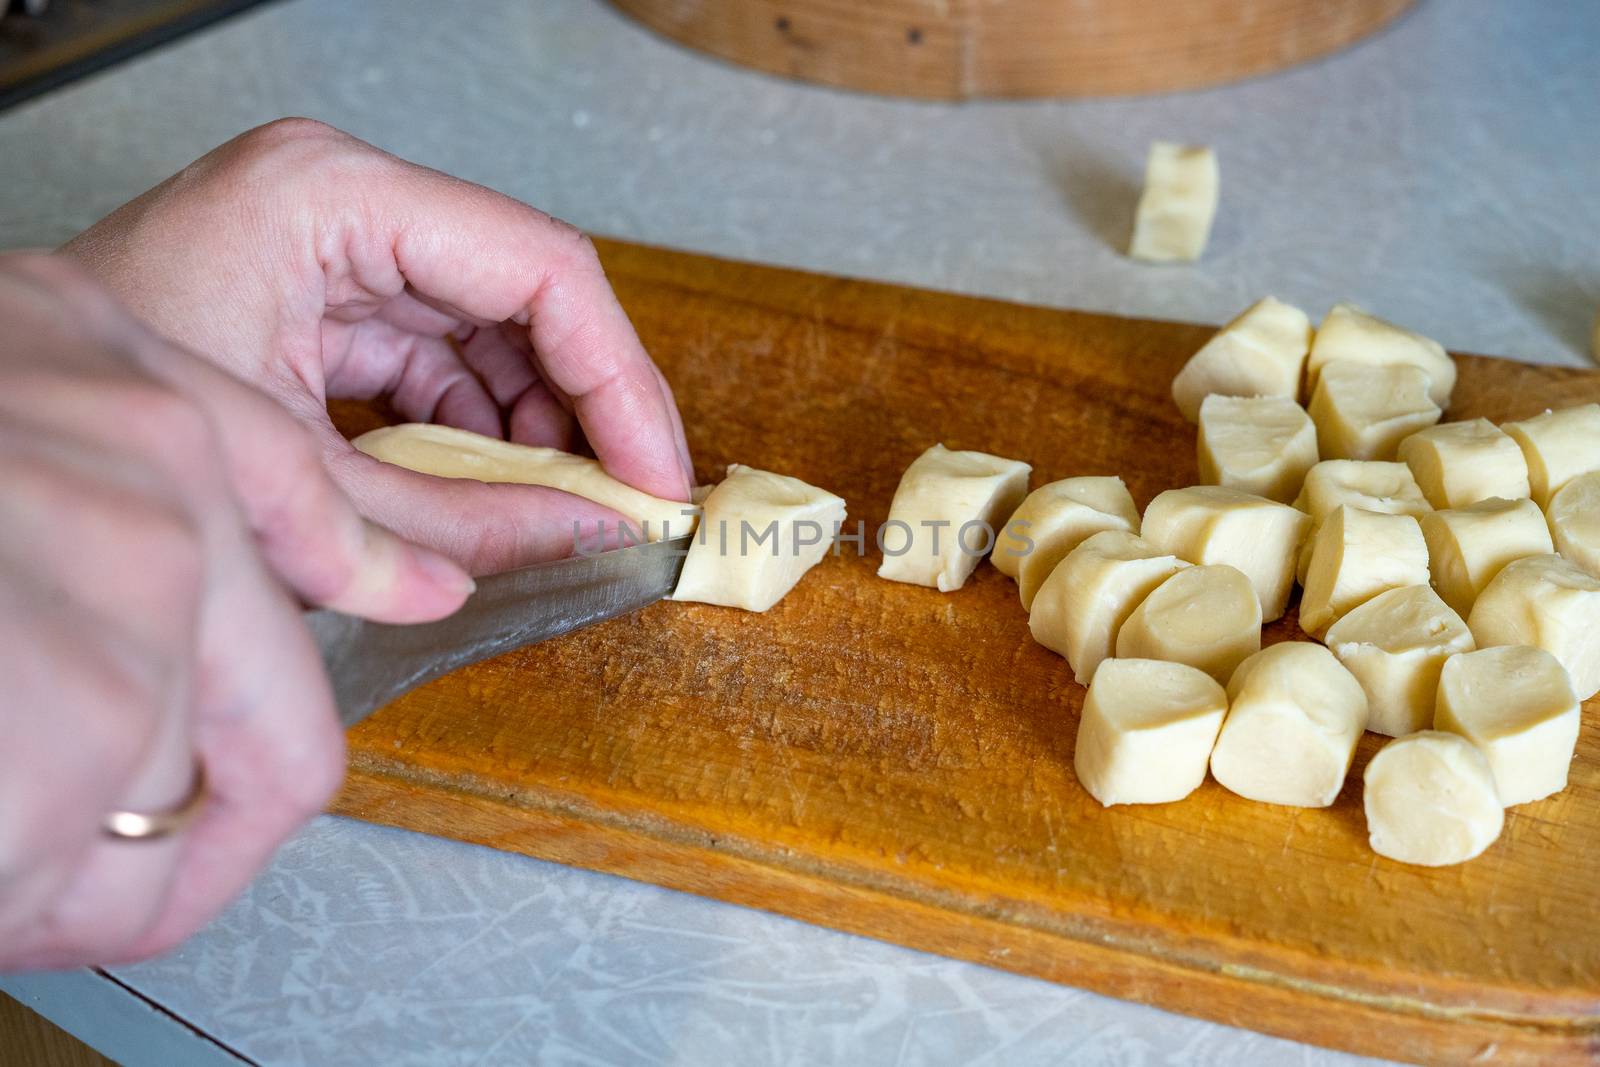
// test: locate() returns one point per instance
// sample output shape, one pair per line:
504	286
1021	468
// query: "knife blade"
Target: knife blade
372	663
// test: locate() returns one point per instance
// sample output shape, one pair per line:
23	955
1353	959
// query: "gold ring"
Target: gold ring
153	825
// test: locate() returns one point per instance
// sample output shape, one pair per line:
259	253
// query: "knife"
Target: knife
372	663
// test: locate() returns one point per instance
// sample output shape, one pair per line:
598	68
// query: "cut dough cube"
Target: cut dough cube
1395	644
1179	201
1370	484
1574	515
1468	546
1364	411
1260	353
759	535
1213	524
446	452
1357	555
1461	463
1257	444
1549	603
1517	705
1430	800
1294	717
1349	334
1207	617
1147	731
1559	446
1053	520
1081	607
943	499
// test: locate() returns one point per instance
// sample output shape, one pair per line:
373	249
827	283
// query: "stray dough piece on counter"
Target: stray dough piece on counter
1260	353
1559	446
1357	555
1574	515
1052	521
1517	705
1461	463
1213	524
1430	800
1549	603
1294	716
1178	203
1468	546
1257	444
1207	617
1364	411
1370	484
1349	334
759	535
1396	644
1147	731
942	494
1081	607
447	452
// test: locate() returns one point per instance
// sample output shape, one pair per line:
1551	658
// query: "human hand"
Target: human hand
313	265
157	517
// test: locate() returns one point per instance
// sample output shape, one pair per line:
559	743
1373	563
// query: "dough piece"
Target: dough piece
1430	800
759	535
1207	617
1395	644
1574	515
1053	520
1548	603
1258	444
1364	411
1468	546
1370	484
942	494
1178	203
1212	524
1081	607
1357	555
447	452
1559	446
1461	463
1517	706
1260	353
1348	333
1294	717
1147	731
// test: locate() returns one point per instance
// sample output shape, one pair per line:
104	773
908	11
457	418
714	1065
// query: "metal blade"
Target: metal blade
372	663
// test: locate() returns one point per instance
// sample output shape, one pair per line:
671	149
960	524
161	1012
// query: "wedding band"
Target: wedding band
153	825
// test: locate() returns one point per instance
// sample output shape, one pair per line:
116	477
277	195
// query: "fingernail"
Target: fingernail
442	571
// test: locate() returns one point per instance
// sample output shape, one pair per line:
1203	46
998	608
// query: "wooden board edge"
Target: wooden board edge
1252	1000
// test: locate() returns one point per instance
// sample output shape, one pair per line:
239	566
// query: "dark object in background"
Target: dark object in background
46	43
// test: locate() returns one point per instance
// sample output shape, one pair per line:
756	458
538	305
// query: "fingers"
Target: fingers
423	377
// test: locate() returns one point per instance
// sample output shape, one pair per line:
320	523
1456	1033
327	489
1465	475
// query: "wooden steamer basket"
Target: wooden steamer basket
961	49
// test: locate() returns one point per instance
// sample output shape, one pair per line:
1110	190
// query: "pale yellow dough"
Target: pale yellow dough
1517	706
1461	463
1549	603
1178	203
1559	446
1364	411
1207	617
1294	716
1082	605
1349	334
1211	524
447	452
1357	555
1369	484
1574	515
1147	731
1256	444
941	494
1052	521
760	533
1430	800
1468	546
1260	353
1396	644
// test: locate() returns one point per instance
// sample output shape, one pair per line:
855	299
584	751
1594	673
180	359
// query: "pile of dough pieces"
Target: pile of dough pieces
1449	573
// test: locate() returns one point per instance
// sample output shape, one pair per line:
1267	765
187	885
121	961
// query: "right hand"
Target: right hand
157	519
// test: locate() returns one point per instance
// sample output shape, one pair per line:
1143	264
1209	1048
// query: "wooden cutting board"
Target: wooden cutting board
896	762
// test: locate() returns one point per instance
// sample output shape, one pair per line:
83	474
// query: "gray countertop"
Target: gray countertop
1445	174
